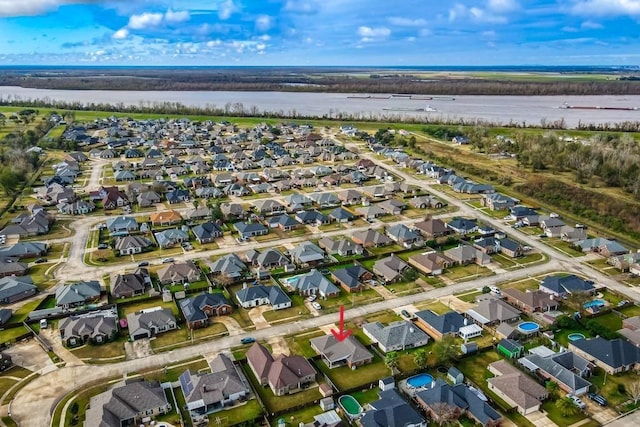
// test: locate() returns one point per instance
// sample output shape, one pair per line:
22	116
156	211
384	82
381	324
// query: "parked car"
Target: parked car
406	314
312	298
599	399
247	340
316	306
103	246
40	260
579	403
143	264
167	260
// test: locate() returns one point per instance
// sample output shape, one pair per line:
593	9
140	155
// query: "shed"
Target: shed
387	383
455	376
327	404
325	390
510	348
469	348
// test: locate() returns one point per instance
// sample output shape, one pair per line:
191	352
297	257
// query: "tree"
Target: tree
444	413
445	349
420	358
577	300
391	359
567	406
633	390
10	180
552	388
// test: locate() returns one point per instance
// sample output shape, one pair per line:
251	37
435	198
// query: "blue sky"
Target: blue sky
320	32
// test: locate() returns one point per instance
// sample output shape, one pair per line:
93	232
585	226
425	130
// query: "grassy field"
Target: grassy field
248	411
345	378
113	349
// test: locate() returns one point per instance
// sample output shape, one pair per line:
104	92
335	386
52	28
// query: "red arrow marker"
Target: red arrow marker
341	335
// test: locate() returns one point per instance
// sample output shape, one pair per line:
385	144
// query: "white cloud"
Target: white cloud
369	34
176	17
214	43
265	37
261	46
302	7
226	9
502	6
590	25
264	22
477	14
606	7
146	20
122	33
411	39
407	22
34	7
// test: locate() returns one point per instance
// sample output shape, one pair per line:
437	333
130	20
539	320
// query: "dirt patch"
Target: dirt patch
279	346
30	355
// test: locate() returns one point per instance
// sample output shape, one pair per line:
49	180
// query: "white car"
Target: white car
312	298
579	403
316	305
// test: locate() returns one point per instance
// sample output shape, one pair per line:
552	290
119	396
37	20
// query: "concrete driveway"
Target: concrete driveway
138	348
31	356
255	314
232	325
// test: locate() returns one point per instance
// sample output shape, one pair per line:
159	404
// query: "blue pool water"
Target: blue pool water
575	336
528	327
595	303
420	380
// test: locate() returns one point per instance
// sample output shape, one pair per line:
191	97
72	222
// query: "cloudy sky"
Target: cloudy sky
320	32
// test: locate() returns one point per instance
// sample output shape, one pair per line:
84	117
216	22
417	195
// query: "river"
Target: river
498	109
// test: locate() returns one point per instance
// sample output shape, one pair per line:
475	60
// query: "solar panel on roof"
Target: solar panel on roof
185	383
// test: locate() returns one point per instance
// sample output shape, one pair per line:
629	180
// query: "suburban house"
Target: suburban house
282	221
179	272
530	301
426	202
77	294
250	229
462	225
127	404
561	286
268	207
400	335
370	211
352	278
515	387
350	197
228	265
283	374
341	215
198	309
343	246
148	198
349	352
498	201
129	245
370	238
267	259
392	206
404	235
206	393
171	237
605	247
126	285
565	368
165	218
207	232
613	356
391	410
14	288
312	283
465	255
11	266
490	310
150	322
307	253
432	228
24	250
253	296
630	330
390	269
93	327
121	225
430	263
311	217
462	398
450	323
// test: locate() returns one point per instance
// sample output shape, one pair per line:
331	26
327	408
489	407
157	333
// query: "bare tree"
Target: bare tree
633	390
444	413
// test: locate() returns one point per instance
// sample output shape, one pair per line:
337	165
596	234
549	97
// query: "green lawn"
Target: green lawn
132	308
556	416
435	306
304	415
182	337
299	344
404	288
469	296
524	285
104	351
348	300
608	385
9	335
16	371
564	247
346	378
610	320
248	411
275	403
466	272
297	310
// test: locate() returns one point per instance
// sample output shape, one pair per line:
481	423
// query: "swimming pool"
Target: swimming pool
291	281
420	380
350	405
575	336
596	303
528	327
